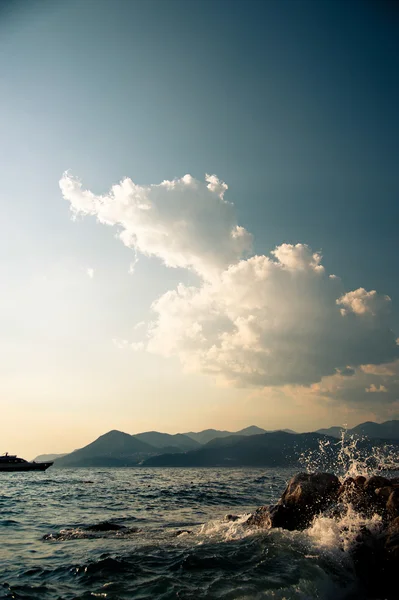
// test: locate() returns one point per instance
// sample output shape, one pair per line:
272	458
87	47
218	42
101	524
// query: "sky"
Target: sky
199	213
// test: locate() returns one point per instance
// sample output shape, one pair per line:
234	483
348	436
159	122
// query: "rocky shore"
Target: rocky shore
375	549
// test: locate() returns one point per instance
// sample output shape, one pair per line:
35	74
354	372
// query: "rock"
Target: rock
260	518
376	551
376	482
231	517
392	505
360	480
368	559
384	492
305	496
181	532
368	497
376	560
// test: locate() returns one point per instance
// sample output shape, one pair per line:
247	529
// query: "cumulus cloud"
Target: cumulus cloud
277	320
122	344
374	385
374	389
90	272
361	302
132	266
185	222
270	321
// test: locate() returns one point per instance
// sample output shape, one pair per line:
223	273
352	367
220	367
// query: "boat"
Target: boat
11	462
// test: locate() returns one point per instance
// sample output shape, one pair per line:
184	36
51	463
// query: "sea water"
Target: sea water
175	542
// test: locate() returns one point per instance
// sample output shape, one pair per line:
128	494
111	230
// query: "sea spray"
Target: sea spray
350	456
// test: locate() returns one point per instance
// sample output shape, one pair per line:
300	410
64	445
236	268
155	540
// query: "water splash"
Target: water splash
341	533
350	456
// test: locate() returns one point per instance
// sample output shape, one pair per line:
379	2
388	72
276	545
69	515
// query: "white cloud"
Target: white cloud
119	343
277	320
122	344
361	302
90	272
376	389
132	266
270	322
363	386
185	222
379	369
136	346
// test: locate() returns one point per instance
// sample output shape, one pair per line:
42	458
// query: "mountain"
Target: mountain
251	430
388	430
114	448
47	457
203	437
165	440
207	435
269	449
333	431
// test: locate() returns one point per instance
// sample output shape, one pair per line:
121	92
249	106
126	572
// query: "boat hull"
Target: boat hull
24	467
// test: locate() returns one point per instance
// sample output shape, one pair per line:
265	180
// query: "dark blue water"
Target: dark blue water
174	541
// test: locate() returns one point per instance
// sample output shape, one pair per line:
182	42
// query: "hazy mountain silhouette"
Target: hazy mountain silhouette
165	440
268	449
203	437
388	430
114	448
333	431
271	449
207	434
48	457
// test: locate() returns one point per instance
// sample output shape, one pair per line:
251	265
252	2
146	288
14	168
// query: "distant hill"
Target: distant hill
251	430
203	437
252	446
333	431
114	448
165	440
388	430
47	457
269	449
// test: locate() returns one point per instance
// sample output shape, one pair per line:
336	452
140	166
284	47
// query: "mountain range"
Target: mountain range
252	446
387	430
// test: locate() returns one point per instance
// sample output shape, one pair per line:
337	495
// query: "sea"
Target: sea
172	540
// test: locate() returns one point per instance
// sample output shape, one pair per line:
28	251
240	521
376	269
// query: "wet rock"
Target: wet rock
383	493
392	505
306	495
377	481
260	518
360	480
367	496
181	532
352	492
375	552
231	517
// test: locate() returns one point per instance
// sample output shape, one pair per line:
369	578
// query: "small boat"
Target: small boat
11	462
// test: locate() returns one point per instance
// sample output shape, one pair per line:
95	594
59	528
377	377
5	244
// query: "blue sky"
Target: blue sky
292	103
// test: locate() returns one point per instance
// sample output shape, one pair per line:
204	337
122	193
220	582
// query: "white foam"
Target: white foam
342	532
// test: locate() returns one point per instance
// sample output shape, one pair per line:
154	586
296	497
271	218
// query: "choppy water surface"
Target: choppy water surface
176	543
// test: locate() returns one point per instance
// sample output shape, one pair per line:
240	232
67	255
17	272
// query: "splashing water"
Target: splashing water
350	456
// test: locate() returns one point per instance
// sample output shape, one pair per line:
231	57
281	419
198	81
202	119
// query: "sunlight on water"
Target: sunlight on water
172	538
